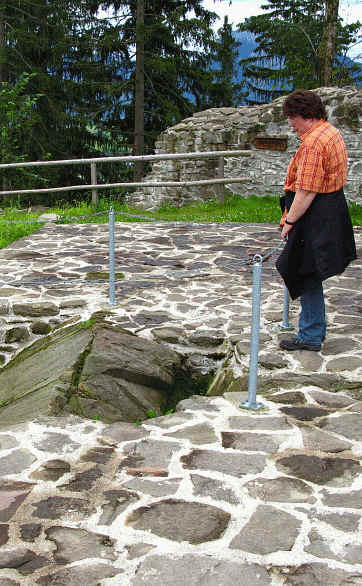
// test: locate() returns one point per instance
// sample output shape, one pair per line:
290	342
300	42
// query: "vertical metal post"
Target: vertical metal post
94	182
254	339
286	326
111	259
220	173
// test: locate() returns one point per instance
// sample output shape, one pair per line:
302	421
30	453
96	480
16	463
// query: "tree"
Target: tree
293	49
224	89
78	79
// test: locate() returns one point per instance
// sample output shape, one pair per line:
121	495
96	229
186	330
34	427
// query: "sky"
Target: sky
349	10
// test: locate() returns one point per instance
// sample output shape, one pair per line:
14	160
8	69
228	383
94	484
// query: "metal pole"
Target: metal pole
111	259
254	341
94	182
220	174
286	326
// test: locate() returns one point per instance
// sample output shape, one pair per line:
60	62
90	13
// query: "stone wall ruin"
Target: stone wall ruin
264	133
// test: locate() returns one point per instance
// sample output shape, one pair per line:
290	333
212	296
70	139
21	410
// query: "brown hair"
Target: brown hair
304	103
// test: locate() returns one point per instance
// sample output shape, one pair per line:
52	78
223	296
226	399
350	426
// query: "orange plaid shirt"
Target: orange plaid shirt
320	164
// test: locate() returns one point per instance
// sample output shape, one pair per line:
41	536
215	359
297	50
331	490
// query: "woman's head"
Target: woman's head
304	103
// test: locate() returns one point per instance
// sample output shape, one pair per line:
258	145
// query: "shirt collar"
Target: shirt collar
316	125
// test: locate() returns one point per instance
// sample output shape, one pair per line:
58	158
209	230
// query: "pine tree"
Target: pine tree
290	50
224	89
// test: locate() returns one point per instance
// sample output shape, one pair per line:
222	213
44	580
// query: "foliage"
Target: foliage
17	121
223	90
289	35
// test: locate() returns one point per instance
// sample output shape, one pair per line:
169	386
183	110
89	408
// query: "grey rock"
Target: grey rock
233	464
122	432
255	442
138	550
293	397
320	574
282	489
331	400
271	361
30	531
327	470
130	374
157	488
12	495
75	575
353	554
40	328
314	439
172	335
7	442
181	521
70	303
347	425
342	521
15	462
56	507
51	470
319	547
309	361
17	334
257	422
350	500
206	338
44	362
198	570
8	582
148	455
15	557
57	443
115	502
208	487
346	363
77	544
198	403
304	413
269	529
35	308
339	346
199	434
83	481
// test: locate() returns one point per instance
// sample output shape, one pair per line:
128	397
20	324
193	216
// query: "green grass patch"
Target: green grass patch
234	209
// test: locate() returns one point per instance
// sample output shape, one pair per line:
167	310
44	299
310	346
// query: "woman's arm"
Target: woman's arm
301	202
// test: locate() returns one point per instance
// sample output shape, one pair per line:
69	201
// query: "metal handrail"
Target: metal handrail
94	186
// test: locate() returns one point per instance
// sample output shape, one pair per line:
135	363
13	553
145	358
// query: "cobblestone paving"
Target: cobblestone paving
211	494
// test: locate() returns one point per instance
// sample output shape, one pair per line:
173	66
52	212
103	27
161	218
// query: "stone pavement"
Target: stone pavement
211	494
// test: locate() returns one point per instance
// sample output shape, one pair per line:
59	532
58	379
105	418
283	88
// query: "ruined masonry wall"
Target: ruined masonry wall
237	128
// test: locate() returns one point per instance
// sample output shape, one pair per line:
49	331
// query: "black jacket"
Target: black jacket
320	245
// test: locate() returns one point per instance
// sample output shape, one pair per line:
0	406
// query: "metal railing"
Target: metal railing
220	180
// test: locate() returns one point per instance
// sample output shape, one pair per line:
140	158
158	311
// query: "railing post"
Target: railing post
286	326
220	173
254	338
94	182
112	300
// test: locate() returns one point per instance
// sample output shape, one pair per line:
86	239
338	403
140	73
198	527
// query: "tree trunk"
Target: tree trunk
139	138
327	47
3	72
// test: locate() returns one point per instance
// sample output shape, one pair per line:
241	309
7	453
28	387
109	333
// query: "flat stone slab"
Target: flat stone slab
198	570
347	425
181	521
148	454
75	575
283	489
77	544
325	471
15	462
199	434
251	442
225	463
269	529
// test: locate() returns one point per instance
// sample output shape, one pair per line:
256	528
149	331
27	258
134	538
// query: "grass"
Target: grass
235	209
